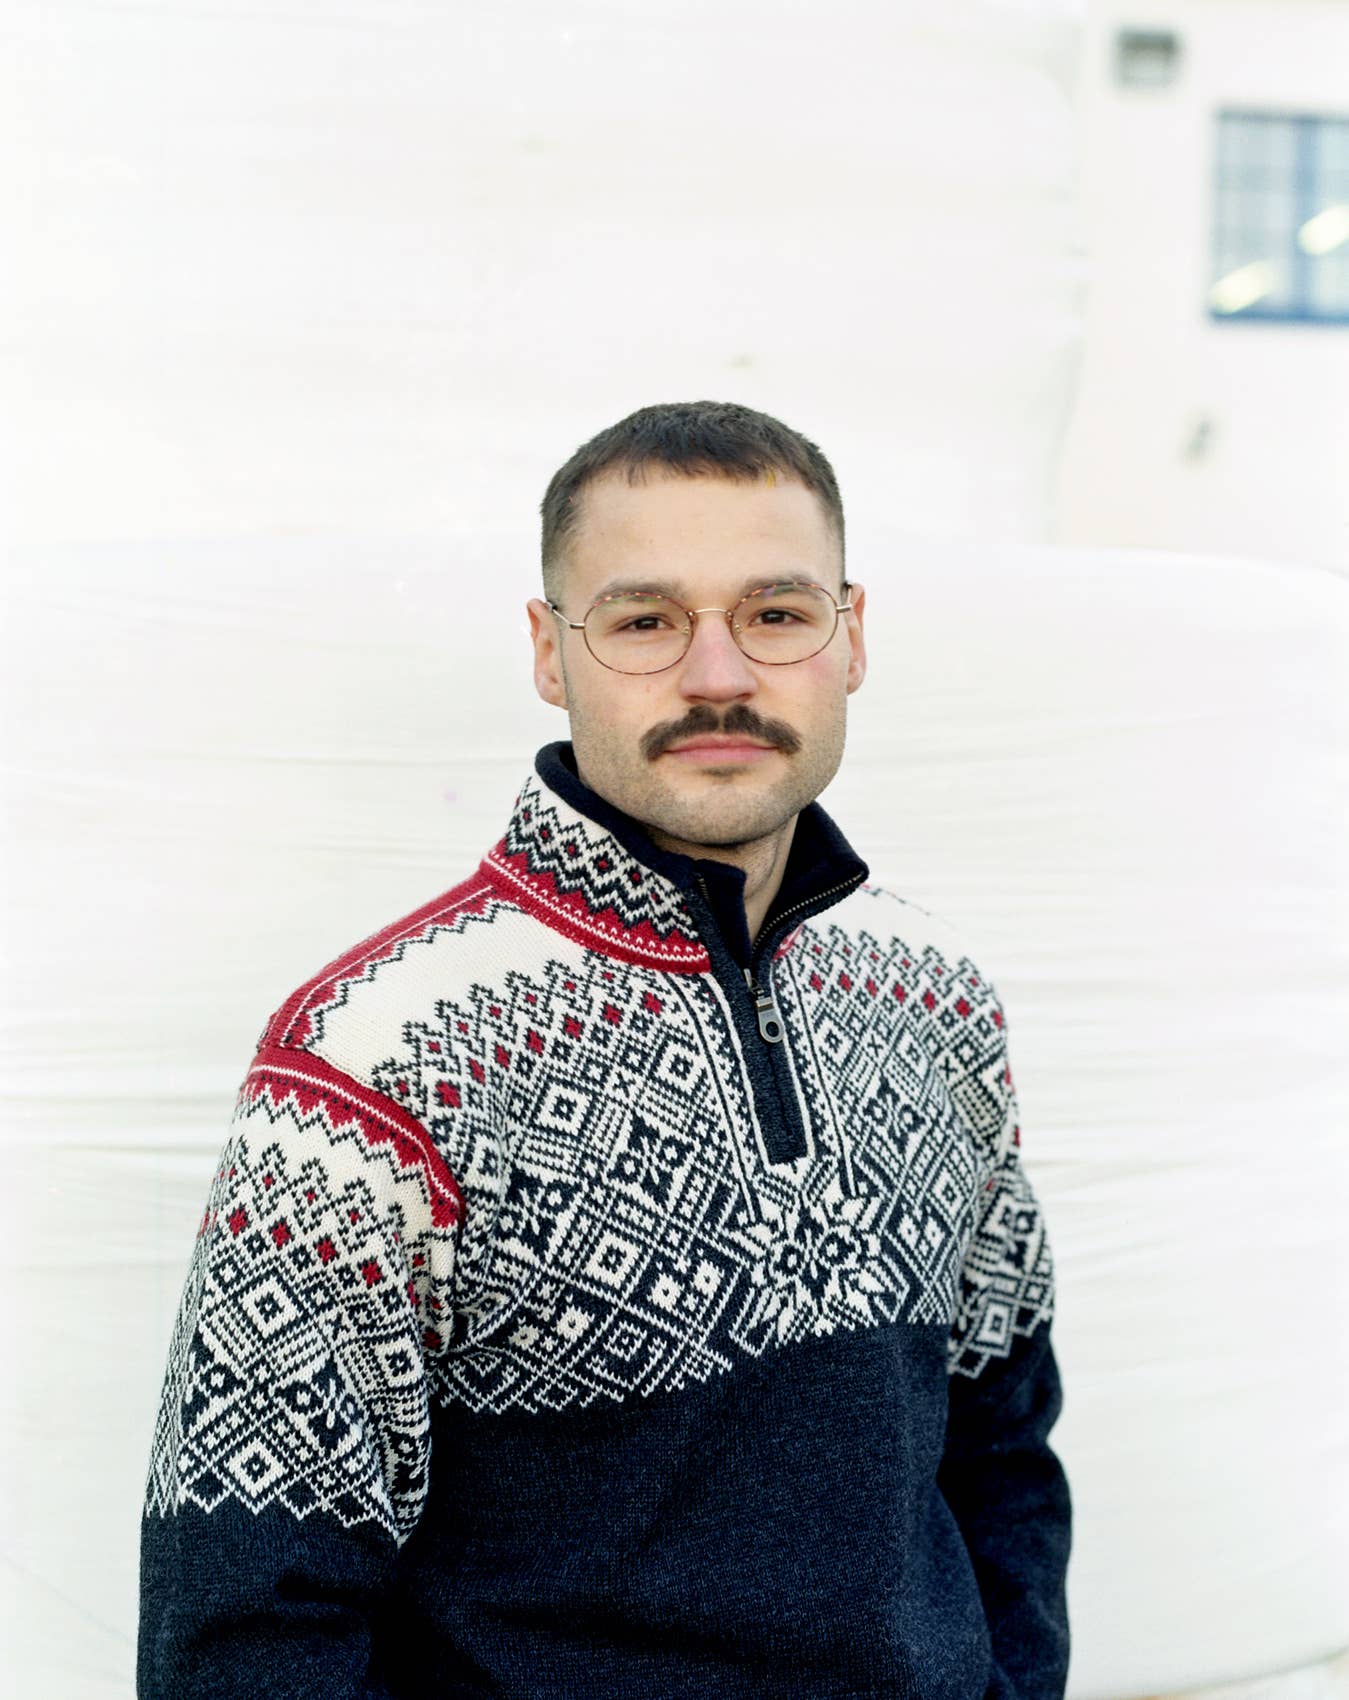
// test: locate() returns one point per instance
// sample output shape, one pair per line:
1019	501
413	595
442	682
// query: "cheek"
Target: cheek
819	692
609	717
631	701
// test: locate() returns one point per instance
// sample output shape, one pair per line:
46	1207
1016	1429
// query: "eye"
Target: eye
643	623
786	608
630	617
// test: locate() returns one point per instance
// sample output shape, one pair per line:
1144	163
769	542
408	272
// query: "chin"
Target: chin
723	825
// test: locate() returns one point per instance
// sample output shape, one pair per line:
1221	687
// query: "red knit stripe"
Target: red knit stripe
316	1085
536	891
291	1023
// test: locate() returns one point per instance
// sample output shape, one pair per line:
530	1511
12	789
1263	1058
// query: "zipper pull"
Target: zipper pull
770	1022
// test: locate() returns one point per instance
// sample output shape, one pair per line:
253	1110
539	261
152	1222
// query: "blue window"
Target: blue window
1281	218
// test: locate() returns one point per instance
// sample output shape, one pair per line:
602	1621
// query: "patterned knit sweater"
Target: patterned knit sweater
591	1303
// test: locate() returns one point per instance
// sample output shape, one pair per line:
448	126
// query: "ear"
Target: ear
549	679
852	620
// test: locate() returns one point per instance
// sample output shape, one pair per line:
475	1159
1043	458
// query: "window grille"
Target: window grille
1280	218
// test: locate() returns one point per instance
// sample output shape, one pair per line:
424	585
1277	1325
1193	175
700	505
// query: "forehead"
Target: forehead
689	533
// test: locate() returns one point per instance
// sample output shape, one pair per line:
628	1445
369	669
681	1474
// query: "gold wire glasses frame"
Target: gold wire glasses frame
642	632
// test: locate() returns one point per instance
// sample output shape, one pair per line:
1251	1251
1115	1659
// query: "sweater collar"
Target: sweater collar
594	873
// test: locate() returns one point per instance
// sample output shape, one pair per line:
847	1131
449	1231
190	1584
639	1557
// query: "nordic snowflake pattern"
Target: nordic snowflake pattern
506	1156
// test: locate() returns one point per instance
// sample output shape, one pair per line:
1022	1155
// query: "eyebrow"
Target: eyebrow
674	588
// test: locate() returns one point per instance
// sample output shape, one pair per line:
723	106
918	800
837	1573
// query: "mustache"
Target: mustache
739	720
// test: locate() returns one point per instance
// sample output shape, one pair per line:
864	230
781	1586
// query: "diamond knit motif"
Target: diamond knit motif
510	1154
296	1373
625	1231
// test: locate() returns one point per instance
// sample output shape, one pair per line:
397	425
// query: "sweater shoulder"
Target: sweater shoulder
464	935
902	926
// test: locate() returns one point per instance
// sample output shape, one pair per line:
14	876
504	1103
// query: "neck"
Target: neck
764	861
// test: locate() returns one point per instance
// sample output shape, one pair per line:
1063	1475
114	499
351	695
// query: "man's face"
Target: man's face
717	750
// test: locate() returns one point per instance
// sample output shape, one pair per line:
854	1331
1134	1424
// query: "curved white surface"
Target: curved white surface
378	266
1124	777
339	281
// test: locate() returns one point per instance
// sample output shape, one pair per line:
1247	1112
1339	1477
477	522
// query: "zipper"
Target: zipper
771	1083
770	1022
773	1098
812	903
771	1029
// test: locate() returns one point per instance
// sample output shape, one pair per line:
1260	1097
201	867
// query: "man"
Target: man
621	1279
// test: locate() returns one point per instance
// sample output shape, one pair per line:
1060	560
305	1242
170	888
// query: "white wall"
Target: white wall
382	265
1122	779
1274	477
313	298
309	300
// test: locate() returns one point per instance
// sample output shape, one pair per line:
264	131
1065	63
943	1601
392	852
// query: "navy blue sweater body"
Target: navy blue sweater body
590	1302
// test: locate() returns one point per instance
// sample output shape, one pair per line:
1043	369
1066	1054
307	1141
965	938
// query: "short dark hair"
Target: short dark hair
697	438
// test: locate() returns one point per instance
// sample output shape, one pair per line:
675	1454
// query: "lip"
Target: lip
721	749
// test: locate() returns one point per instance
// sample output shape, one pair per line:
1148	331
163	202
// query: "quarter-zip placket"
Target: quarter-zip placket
762	1029
766	942
770	1021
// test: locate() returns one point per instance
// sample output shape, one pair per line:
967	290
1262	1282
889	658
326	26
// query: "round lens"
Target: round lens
637	634
785	622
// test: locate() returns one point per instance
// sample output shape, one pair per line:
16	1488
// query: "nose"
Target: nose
715	668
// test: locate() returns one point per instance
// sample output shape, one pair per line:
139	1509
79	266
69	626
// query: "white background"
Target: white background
311	301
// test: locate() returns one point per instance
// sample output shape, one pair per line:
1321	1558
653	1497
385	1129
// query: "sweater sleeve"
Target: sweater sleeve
291	1454
1003	1484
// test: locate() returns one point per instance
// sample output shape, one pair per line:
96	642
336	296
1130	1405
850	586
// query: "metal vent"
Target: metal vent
1146	59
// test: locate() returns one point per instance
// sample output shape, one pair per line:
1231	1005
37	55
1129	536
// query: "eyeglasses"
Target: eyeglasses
642	632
